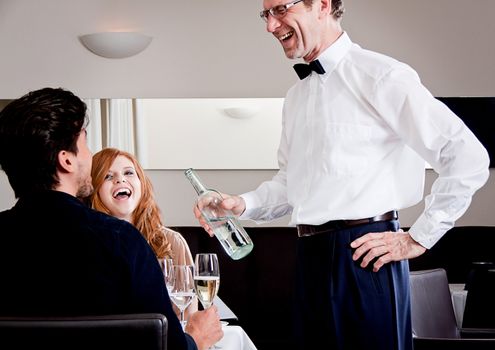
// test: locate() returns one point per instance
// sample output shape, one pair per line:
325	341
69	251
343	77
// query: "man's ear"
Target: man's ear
325	7
66	161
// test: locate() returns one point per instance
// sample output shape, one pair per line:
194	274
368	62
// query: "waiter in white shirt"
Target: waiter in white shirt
356	133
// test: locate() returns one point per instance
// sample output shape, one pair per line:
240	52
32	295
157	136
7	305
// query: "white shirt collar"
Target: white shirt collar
334	54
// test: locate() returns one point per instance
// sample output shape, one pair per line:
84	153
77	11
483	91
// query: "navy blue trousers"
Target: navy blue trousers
342	306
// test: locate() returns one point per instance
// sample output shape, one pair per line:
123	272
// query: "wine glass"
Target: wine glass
206	278
168	273
182	292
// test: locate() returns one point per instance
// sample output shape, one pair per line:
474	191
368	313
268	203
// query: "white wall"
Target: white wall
199	133
220	48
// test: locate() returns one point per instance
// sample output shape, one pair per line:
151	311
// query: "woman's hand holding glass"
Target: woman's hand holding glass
206	278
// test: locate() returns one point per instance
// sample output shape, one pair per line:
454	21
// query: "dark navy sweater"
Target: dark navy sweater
59	257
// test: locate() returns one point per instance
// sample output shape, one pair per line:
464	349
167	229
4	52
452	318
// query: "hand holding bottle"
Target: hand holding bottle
220	221
233	203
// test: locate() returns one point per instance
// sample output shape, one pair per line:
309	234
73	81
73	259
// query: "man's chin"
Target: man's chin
291	54
85	191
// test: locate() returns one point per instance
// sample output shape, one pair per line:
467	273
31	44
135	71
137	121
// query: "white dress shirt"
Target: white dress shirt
354	143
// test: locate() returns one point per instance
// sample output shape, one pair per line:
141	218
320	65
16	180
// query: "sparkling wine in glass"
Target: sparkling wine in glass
183	292
206	278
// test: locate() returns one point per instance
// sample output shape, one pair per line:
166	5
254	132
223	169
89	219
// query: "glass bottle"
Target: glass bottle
234	239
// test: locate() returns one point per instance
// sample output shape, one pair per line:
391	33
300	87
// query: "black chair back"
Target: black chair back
480	301
477	267
122	332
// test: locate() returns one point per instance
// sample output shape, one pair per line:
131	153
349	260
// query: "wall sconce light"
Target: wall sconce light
115	44
241	112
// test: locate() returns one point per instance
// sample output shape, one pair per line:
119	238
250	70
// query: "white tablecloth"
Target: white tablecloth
234	338
458	295
224	311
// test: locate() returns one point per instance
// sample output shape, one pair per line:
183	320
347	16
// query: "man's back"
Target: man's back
59	257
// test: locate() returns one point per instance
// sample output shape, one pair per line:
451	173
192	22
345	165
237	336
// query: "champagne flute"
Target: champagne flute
206	278
168	273
183	292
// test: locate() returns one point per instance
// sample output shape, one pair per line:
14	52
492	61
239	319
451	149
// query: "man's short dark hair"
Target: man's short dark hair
33	130
337	7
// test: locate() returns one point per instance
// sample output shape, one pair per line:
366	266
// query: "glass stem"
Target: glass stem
182	319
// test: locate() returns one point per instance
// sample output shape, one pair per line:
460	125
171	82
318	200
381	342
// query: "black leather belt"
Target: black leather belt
310	230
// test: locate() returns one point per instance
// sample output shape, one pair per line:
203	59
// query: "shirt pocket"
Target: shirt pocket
347	149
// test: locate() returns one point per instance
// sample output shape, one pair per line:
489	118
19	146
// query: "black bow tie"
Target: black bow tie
303	70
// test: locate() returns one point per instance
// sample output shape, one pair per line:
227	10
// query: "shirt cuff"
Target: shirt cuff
428	232
251	201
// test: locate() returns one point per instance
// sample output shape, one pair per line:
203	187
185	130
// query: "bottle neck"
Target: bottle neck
195	181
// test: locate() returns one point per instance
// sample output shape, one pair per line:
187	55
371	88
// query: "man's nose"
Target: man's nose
272	23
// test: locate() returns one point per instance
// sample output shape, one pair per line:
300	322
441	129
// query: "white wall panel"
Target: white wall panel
198	133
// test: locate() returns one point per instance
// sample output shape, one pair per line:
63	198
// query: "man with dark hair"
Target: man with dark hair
57	256
357	129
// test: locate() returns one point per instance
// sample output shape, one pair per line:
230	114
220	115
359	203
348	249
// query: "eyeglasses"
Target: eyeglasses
278	11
